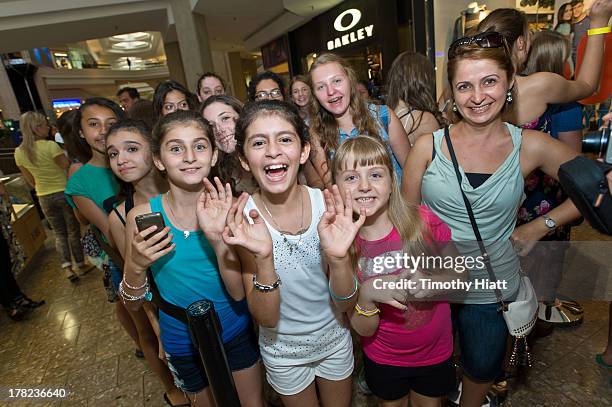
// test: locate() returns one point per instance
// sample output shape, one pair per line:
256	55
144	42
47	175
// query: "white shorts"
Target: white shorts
290	380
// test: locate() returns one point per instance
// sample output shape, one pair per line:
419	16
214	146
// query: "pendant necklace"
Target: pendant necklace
186	232
290	245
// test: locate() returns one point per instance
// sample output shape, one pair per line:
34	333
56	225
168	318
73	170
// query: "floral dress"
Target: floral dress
544	193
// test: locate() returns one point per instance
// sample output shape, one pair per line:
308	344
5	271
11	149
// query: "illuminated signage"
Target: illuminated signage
353	36
66	103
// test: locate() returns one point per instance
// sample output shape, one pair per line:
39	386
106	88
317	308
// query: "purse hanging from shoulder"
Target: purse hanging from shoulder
521	314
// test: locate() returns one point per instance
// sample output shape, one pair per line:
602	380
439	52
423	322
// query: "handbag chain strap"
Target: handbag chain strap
485	255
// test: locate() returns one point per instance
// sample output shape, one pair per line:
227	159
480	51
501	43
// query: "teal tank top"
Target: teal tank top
187	274
495	204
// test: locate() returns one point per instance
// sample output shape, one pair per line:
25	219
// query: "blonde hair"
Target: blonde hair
28	122
405	216
324	123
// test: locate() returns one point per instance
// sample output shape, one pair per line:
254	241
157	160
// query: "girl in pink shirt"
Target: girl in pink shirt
407	346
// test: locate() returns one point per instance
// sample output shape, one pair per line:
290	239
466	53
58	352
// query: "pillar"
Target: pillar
8	100
174	62
193	41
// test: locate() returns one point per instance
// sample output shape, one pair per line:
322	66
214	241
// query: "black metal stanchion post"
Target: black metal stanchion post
206	335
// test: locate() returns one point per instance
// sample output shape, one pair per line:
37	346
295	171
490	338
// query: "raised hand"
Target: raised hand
239	232
212	208
147	252
337	229
601	9
376	289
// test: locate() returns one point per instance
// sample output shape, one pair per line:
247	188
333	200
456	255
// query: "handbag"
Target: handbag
584	181
521	314
90	245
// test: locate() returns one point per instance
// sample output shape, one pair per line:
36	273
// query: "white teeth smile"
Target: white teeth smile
275	167
365	200
480	109
334	100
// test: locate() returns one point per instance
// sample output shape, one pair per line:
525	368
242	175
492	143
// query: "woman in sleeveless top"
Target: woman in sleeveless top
493	157
410	85
341	112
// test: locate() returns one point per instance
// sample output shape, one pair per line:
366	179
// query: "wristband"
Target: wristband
366	312
126	284
265	287
348	297
597	31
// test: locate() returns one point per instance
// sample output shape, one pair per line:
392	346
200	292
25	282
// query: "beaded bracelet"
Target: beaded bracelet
146	295
125	283
265	288
366	312
600	30
348	297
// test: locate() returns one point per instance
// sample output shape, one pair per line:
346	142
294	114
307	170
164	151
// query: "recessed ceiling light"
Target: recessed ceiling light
137	36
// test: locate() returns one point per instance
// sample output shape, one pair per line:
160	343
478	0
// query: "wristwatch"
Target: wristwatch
549	222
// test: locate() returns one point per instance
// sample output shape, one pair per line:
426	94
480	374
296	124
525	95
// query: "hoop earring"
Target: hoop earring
455	108
509	97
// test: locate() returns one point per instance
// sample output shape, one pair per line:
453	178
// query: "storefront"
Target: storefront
369	34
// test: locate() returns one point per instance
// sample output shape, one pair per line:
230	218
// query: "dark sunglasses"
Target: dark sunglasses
490	39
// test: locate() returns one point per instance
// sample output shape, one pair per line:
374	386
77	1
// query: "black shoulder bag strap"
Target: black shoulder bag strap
468	207
173	310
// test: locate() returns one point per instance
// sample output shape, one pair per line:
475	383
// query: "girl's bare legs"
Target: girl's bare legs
473	393
150	347
305	398
419	400
248	385
126	322
335	393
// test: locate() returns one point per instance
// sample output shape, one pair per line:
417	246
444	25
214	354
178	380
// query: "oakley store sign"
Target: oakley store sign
346	23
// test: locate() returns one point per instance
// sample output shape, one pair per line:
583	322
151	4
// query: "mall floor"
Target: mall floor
75	342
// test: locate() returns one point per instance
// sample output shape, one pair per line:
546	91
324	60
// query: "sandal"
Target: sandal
168	402
17	312
600	361
29	303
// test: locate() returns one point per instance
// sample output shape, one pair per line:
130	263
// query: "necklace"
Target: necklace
291	246
185	231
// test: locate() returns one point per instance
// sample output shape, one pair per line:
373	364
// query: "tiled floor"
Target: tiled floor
75	342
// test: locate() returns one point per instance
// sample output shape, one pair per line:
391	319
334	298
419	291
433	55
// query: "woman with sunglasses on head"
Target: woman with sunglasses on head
266	85
171	96
533	93
493	158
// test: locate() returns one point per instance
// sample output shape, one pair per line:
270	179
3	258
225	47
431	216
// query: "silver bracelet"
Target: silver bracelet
265	287
126	284
128	297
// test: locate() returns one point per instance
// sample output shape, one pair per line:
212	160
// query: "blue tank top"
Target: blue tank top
188	274
380	113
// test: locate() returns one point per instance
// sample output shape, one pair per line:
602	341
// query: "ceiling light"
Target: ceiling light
125	45
137	36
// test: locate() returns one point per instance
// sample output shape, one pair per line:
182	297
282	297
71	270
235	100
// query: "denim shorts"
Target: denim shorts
242	352
482	334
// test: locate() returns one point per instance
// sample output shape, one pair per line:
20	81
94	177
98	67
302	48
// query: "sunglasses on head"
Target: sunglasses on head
490	39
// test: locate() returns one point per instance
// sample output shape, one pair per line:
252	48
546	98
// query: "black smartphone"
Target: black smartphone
147	220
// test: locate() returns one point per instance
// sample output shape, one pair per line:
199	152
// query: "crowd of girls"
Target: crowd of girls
289	261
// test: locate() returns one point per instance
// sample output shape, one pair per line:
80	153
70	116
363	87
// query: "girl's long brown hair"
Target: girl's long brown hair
405	216
324	123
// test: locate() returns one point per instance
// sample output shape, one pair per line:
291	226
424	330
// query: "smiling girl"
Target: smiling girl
304	345
190	261
341	112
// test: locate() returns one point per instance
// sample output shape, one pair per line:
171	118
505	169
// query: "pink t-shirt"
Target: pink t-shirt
419	336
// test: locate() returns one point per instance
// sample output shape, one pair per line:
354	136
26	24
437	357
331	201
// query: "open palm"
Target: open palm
253	237
337	229
212	208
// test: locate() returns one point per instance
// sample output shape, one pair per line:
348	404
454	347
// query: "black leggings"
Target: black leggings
9	290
